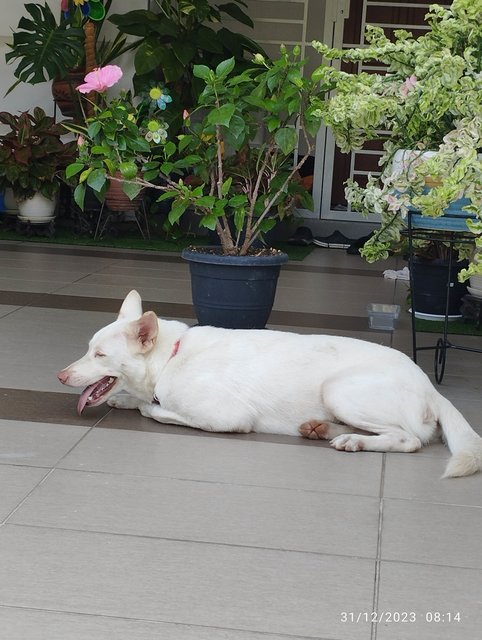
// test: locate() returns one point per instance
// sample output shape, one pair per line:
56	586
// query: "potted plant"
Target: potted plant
428	107
175	35
235	187
115	142
32	162
62	50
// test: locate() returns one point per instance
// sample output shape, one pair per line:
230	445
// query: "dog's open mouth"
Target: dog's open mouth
94	393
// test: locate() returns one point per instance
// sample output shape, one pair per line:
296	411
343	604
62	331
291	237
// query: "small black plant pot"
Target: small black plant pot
234	292
430	286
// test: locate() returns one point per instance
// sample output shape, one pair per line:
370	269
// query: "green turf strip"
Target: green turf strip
134	241
457	327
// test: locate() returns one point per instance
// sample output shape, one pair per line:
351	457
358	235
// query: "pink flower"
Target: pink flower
408	85
80	140
185	114
101	79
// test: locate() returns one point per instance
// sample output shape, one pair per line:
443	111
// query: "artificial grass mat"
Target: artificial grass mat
127	239
457	327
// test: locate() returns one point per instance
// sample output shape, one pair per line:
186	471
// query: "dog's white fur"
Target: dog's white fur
360	395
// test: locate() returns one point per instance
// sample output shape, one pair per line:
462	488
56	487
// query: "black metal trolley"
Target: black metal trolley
450	229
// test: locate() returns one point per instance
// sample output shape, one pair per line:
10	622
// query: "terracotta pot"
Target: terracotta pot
117	200
65	95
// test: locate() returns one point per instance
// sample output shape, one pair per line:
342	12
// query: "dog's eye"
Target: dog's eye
99	354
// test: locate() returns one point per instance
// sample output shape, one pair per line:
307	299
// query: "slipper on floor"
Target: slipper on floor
302	237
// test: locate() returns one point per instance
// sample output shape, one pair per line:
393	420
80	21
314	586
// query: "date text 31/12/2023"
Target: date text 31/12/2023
387	617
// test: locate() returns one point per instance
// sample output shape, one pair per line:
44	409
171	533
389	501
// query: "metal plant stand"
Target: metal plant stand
450	229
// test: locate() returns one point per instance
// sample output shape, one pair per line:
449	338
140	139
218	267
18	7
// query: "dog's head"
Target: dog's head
116	355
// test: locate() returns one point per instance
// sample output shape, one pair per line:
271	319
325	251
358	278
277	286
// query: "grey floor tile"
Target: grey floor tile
182	582
225	460
426	591
421	532
28	624
203	511
36	444
418	477
16	483
6	309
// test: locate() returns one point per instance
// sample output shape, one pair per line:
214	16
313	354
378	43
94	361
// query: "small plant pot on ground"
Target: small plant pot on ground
36	210
234	292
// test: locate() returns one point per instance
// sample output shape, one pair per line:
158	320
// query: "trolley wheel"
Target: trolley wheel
439	359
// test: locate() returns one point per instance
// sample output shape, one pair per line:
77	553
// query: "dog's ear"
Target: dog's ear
146	330
131	308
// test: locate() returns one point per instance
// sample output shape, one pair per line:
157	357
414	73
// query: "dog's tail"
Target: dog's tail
464	444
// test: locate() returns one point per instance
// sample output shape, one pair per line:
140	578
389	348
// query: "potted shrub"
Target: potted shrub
32	162
115	142
45	48
236	188
429	109
173	36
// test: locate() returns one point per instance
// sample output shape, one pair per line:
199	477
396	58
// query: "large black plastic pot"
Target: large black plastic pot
234	292
430	279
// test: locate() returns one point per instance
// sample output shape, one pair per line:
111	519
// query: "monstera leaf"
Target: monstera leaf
44	48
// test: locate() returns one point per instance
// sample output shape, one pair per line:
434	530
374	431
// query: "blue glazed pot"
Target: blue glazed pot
234	292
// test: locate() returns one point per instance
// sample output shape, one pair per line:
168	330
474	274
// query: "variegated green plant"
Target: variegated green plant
429	99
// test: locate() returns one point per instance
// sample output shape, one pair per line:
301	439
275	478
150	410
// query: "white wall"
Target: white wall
26	96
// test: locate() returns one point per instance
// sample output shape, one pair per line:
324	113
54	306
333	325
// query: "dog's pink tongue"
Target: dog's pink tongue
84	397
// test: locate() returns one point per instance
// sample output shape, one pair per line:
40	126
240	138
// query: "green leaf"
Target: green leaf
206	201
73	169
184	51
287	139
151	56
176	212
167	167
239	200
184	142
226	186
131	190
152	174
79	195
97	179
94	128
236	12
85	174
201	71
128	169
169	149
209	221
239	217
224	68
222	115
166	196
44	49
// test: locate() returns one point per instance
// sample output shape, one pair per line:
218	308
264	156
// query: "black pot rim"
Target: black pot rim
191	255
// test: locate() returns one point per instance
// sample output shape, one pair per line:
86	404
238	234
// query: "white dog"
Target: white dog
359	395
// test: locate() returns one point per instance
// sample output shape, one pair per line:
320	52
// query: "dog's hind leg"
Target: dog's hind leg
392	440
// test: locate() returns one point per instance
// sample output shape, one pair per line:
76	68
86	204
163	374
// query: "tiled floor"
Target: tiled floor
114	527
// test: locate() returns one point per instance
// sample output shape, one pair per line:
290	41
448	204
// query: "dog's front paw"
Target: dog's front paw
123	402
348	442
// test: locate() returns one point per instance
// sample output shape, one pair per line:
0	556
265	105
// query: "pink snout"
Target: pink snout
63	376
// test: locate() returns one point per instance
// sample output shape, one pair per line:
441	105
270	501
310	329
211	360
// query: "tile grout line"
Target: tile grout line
159	622
376	586
186	541
27	496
